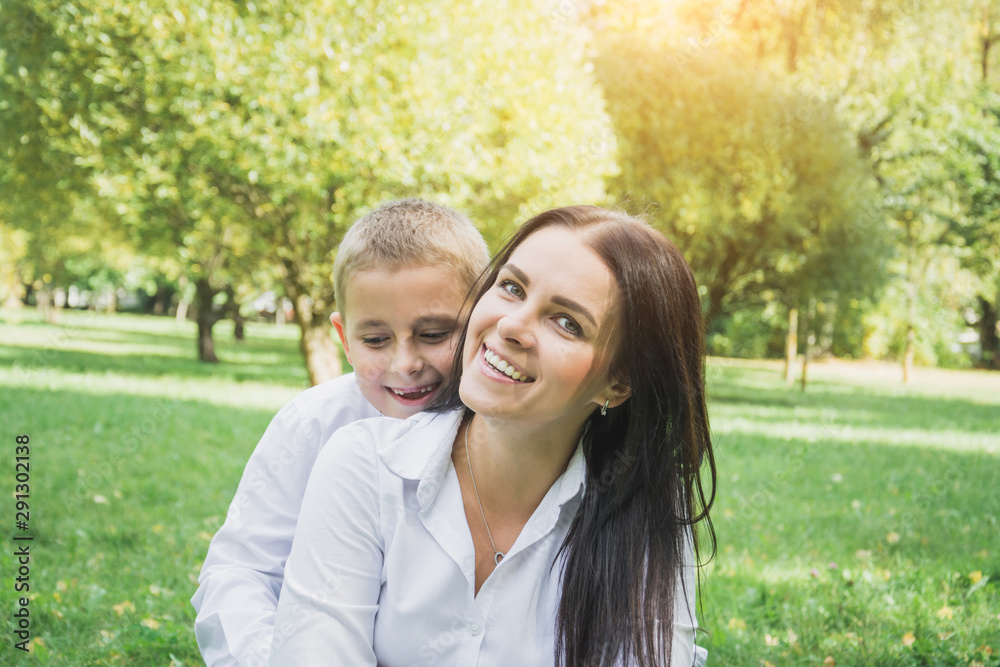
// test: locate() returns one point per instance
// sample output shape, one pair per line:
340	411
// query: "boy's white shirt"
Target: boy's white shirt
241	578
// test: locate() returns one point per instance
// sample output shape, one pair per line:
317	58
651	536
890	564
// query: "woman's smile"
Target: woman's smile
503	368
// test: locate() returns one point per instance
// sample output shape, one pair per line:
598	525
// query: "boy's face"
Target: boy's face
398	330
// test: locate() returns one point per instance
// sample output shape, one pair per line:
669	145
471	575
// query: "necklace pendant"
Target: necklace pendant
497	557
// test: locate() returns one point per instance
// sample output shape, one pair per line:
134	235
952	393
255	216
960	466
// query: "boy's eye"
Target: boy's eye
436	336
511	288
374	341
569	324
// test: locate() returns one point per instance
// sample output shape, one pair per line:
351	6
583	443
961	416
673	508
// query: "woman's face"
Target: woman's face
538	347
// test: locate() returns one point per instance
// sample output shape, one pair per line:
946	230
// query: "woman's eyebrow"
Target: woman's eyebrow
561	300
573	305
518	273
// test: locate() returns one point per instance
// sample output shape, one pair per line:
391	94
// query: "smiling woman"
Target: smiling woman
543	514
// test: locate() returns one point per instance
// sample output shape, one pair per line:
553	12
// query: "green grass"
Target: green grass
854	519
849	517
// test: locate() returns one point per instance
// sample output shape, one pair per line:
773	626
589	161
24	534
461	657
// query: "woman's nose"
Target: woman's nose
516	328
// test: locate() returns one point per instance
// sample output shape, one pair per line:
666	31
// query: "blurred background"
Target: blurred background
175	177
830	169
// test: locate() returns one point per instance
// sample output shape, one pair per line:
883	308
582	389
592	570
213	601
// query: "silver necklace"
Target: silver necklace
497	554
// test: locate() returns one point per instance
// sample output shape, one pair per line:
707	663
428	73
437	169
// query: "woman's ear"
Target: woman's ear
615	394
619	393
337	320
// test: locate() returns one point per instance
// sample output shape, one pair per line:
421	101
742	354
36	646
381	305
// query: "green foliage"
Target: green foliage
755	177
240	141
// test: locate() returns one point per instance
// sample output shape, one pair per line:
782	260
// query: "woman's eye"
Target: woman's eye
374	341
569	324
511	288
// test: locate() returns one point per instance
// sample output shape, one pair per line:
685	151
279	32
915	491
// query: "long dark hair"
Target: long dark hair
625	549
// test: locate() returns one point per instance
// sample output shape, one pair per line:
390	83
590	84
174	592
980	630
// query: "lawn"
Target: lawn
857	522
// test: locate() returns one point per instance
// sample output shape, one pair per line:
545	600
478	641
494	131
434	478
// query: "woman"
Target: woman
544	515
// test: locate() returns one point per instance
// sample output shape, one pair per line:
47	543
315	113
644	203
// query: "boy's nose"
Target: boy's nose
407	361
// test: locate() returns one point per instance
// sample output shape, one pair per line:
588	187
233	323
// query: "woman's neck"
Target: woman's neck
515	464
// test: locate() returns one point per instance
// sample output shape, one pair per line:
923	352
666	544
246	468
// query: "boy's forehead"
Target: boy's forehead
442	319
422	295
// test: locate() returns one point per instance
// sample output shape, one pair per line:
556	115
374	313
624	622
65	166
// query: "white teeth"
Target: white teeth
496	362
423	390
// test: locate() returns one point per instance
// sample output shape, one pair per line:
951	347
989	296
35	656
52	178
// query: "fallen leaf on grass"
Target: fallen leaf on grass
892	538
946	613
771	641
151	623
908	639
737	624
122	607
829	661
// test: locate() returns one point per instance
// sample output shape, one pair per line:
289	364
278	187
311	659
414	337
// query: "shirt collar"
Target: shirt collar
422	451
422	445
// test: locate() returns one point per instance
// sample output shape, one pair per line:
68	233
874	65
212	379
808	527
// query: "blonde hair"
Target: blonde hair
407	233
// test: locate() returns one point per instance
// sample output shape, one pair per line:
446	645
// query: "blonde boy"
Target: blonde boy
400	276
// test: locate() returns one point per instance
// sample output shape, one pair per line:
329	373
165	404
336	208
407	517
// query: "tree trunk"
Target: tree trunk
182	301
791	345
911	330
989	340
238	322
809	339
206	344
43	298
206	317
321	353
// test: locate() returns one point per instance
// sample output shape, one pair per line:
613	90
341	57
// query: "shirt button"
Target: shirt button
475	629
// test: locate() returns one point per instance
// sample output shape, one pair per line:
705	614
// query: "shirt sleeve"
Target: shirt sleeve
243	570
326	612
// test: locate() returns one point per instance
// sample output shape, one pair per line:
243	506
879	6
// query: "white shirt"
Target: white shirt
382	569
243	571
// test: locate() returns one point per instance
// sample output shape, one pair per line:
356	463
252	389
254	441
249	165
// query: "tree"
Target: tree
759	184
284	124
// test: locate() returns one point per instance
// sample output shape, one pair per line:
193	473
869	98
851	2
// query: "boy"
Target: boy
400	278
